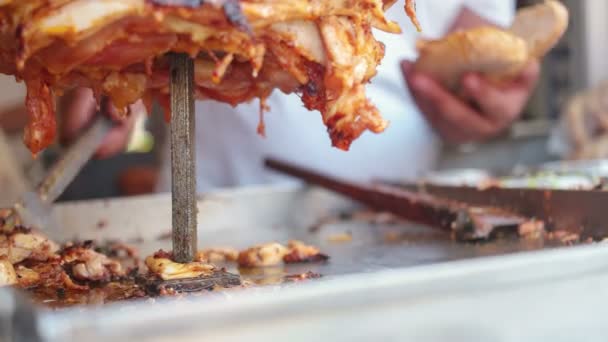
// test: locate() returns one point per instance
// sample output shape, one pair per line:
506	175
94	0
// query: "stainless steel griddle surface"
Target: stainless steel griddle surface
369	252
409	285
243	218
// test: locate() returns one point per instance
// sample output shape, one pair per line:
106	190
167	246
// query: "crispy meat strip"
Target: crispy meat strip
244	49
355	55
40	105
410	9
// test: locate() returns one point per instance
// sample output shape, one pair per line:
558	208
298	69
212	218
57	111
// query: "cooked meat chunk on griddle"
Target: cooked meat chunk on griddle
273	254
301	252
162	266
7	273
23	245
269	254
217	255
87	265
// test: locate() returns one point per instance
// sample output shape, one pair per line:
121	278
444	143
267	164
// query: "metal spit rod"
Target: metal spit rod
183	167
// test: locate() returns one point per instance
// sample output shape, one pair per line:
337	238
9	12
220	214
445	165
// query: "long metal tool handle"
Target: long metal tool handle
417	208
466	222
183	167
63	172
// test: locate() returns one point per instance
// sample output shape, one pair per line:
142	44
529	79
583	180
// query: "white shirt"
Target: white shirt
230	152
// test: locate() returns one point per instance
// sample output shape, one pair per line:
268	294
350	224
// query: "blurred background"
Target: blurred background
575	65
576	69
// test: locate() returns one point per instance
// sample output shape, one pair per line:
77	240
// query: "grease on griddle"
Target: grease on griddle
301	277
371	217
154	286
274	276
343	237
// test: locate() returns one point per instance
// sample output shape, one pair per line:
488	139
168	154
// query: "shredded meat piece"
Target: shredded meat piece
217	255
301	252
269	254
273	254
243	49
51	274
7	273
167	269
88	265
39	102
23	245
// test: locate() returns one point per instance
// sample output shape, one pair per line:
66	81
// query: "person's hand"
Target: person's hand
485	110
78	108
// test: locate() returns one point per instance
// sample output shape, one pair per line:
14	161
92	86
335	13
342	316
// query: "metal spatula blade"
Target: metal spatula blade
35	213
34	209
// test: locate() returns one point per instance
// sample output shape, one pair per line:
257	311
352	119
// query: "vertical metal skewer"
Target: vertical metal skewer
183	166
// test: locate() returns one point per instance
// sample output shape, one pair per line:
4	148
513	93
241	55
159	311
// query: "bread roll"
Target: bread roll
485	49
497	53
541	26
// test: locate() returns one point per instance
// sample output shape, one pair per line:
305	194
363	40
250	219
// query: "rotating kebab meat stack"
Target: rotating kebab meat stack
175	52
